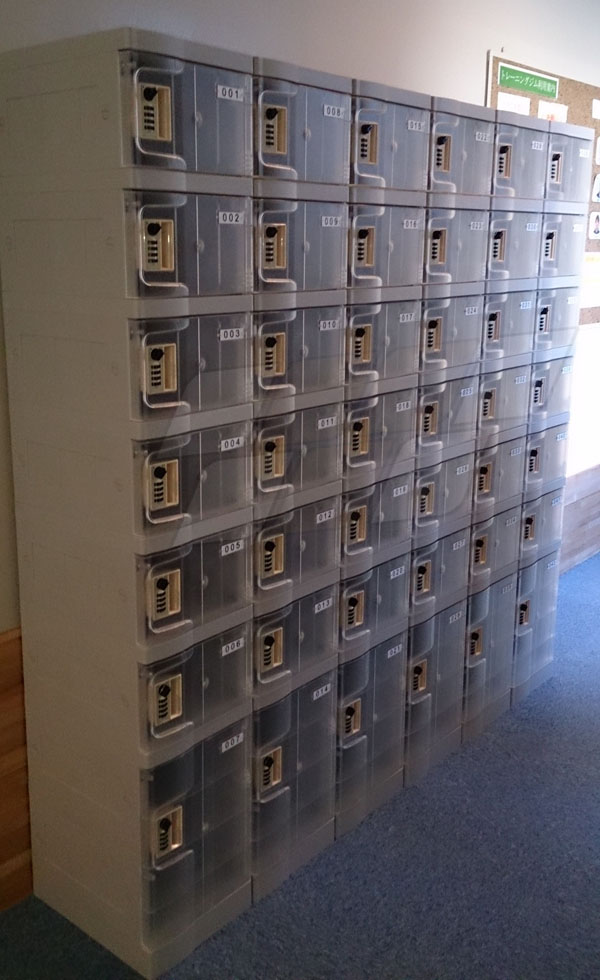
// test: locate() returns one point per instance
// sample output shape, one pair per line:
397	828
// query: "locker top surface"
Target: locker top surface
270	68
467	109
506	118
387	93
570	129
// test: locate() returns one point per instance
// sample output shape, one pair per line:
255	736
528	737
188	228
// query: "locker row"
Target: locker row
208	245
266	658
195	480
295	357
383	583
175	489
262	796
289	124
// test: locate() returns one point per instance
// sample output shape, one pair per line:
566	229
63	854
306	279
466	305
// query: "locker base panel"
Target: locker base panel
536	680
303	852
347	820
416	769
108	926
475	726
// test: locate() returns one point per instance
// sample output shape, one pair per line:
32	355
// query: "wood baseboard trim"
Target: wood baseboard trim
15	843
581	522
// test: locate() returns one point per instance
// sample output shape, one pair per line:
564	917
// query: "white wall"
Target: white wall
437	47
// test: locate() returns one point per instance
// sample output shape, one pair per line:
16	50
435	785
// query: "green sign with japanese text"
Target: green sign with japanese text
527	81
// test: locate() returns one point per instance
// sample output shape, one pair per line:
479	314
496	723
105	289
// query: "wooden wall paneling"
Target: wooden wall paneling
15	849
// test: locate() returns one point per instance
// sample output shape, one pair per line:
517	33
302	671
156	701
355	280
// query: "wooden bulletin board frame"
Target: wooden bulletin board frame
578	97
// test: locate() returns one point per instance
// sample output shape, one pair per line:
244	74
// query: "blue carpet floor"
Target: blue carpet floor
489	870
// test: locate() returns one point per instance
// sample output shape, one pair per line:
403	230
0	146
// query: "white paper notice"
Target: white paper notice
594	225
553	110
514	103
596	188
595	108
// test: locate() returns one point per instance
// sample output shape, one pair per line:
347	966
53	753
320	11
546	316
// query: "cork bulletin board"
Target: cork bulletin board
536	92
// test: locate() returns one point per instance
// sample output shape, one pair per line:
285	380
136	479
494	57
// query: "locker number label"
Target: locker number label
407	317
471	310
454	618
231	333
483	137
232	547
511	521
232	218
334	111
537	144
231	93
521	379
517	451
526	304
403	406
321	692
400	491
325	515
323	605
561	437
393	651
552	564
531	226
234	442
477	226
462	469
331	221
327	423
508	588
232	647
459	544
465	392
397	572
329	324
230	743
410	224
416	125
556	501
